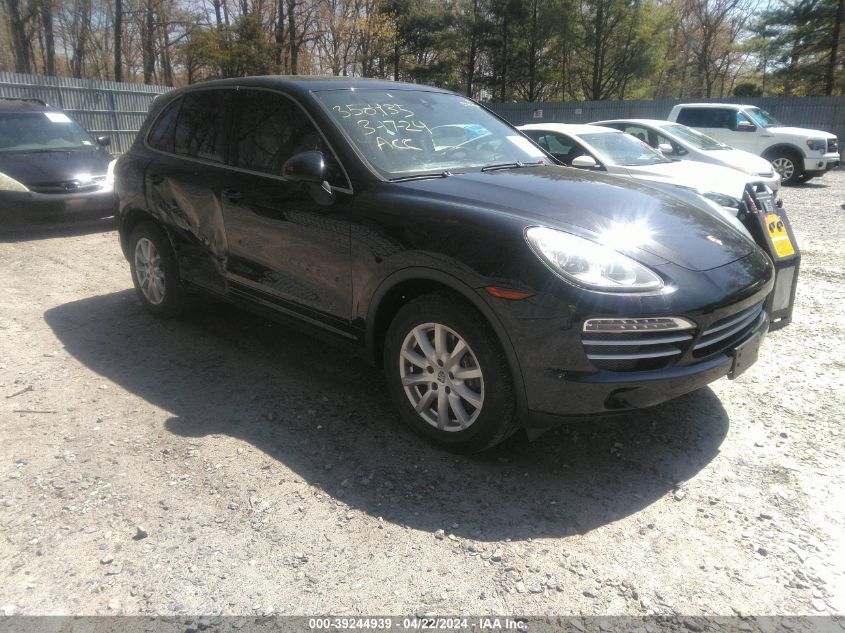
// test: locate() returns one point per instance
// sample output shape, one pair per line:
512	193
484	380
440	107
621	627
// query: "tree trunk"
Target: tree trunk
49	40
532	52
148	43
473	49
280	31
504	78
19	39
829	79
294	46
118	40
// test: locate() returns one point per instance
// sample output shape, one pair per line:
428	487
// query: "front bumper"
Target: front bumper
818	165
29	210
566	376
607	392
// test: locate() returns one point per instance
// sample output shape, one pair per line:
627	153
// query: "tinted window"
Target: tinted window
707	117
161	134
270	129
200	127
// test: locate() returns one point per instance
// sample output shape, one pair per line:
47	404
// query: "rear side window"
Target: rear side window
707	117
161	134
200	126
271	128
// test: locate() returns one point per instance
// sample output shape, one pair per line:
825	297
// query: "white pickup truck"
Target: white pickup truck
796	153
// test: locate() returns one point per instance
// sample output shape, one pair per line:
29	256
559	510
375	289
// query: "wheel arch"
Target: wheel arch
410	283
781	147
131	218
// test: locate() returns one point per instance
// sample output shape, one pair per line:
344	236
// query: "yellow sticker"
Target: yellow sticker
780	238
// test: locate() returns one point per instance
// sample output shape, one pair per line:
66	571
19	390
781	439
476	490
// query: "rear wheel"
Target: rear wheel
447	374
154	270
788	165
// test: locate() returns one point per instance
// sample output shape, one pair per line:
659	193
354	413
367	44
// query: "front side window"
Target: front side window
271	128
761	117
41	132
623	149
415	132
200	128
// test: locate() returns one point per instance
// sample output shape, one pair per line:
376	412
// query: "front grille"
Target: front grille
832	145
68	186
725	332
634	350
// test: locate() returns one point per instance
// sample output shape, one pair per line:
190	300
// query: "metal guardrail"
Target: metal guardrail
818	113
101	107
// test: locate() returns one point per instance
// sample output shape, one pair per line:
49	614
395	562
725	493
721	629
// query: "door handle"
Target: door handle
232	194
156	179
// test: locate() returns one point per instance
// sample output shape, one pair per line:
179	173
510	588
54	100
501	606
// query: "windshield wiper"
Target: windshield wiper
442	174
517	165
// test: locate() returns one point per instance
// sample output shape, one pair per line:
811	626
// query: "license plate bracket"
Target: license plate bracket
744	355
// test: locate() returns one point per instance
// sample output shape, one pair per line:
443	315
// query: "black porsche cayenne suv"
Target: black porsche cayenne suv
497	290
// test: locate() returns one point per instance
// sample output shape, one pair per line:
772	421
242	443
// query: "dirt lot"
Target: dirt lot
174	467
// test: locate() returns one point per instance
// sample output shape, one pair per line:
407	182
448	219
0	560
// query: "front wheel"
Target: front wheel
788	165
447	374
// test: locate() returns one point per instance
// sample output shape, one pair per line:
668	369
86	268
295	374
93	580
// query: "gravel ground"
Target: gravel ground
220	464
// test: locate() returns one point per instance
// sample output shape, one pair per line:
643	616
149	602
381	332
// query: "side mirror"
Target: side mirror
103	141
309	168
665	149
745	126
585	162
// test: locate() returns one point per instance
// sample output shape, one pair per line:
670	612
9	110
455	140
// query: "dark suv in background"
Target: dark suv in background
496	290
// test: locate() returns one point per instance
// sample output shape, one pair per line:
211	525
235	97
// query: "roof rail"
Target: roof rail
29	99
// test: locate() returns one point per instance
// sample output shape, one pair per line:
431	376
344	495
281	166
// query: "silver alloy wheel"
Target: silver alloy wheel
441	377
148	271
785	167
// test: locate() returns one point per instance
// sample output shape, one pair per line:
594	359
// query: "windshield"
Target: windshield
618	148
761	117
694	138
41	131
403	133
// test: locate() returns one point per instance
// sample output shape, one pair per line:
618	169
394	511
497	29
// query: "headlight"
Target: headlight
722	200
816	143
7	183
109	183
588	263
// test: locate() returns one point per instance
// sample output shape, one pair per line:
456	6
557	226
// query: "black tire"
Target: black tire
172	301
782	160
804	178
496	417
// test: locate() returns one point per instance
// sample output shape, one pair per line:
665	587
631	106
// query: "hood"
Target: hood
699	176
32	168
804	133
740	159
591	204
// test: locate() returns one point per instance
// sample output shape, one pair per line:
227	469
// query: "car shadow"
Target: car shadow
325	414
47	232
